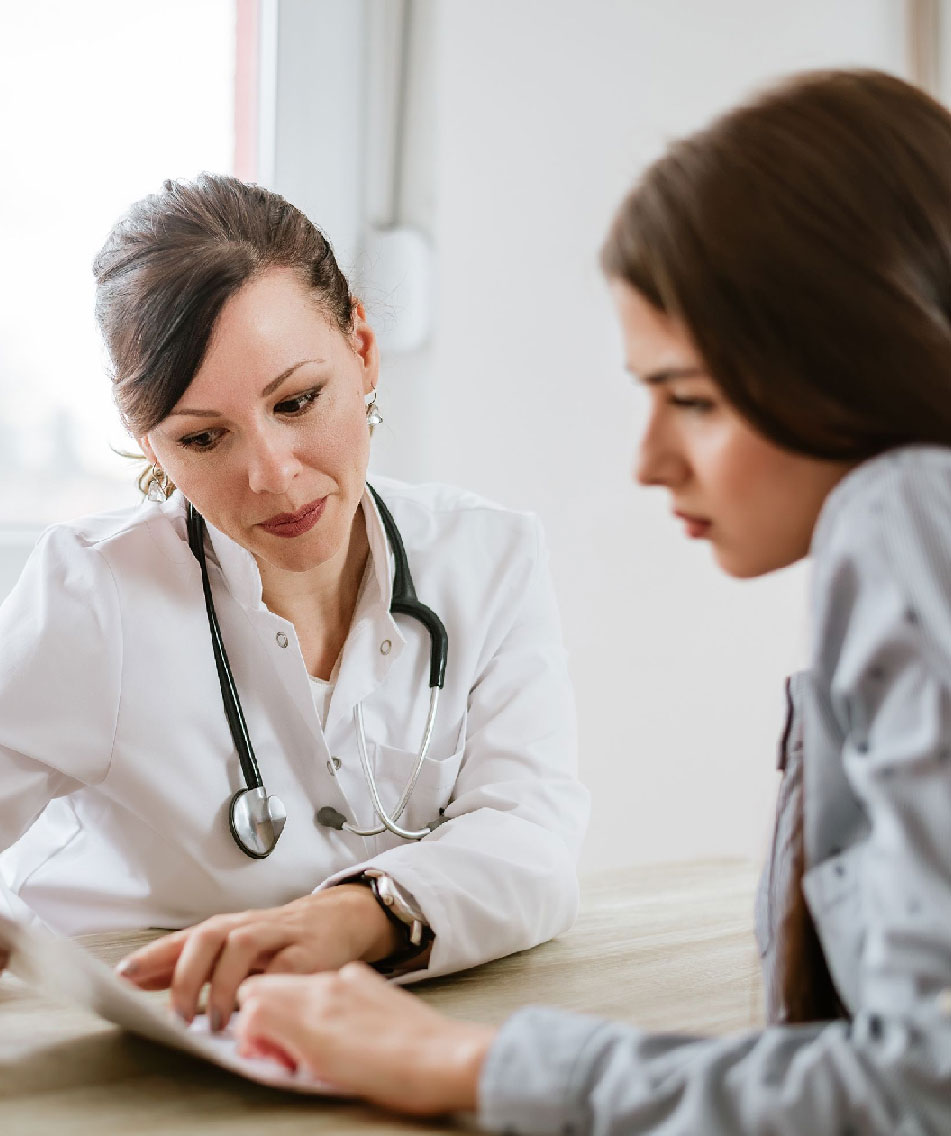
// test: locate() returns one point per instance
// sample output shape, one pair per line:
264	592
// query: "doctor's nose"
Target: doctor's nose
272	465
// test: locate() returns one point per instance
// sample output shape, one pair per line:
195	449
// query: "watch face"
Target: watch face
399	901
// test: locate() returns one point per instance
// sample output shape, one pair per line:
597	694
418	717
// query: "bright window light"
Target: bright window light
101	101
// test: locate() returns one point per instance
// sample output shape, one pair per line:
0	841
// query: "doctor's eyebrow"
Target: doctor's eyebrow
668	374
269	389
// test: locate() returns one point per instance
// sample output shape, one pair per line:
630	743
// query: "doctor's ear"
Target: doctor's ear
364	345
147	449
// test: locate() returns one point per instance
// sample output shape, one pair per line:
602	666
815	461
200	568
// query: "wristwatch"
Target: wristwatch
403	911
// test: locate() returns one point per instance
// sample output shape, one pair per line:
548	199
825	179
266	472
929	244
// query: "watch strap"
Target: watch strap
415	933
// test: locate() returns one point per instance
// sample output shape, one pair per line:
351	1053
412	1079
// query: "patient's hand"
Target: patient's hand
317	932
366	1037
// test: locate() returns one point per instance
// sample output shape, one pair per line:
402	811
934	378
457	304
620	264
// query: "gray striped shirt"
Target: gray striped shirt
869	745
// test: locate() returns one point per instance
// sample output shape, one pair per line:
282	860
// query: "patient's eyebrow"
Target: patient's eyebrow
269	389
667	374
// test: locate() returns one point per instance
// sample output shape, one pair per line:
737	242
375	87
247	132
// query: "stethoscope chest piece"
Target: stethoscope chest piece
257	821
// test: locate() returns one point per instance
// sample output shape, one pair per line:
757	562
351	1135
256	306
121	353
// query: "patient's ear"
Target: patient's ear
147	449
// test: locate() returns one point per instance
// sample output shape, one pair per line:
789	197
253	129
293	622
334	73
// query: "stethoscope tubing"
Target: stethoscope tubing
229	692
389	822
404	602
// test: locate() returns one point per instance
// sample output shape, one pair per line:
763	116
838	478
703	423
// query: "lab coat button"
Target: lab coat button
333	765
281	639
385	647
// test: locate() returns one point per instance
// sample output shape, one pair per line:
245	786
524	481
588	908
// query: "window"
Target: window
101	101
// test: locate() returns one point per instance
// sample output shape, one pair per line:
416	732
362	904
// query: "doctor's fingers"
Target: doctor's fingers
246	951
151	966
222	956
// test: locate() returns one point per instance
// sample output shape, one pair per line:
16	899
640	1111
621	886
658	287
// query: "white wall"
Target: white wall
544	112
529	120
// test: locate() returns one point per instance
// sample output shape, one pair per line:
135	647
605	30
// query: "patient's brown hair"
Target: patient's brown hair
804	241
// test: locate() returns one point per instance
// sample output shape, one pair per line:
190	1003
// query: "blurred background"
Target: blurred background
465	160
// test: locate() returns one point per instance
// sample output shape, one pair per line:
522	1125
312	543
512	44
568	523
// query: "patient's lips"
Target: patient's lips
695	527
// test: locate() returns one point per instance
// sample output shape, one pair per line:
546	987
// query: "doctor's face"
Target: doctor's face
755	503
270	439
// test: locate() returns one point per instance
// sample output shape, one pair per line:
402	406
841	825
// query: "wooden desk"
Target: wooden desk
667	948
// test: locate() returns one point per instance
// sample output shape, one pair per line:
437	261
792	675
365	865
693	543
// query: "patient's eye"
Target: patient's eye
695	403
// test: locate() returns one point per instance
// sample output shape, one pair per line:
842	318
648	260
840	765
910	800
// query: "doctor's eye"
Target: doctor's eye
298	404
201	442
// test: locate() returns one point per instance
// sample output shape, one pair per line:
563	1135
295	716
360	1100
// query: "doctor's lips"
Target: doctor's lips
295	524
695	527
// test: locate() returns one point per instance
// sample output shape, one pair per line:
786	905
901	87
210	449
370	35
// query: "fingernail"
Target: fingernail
127	967
215	1021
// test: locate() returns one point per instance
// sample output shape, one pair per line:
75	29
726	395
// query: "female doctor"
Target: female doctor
218	702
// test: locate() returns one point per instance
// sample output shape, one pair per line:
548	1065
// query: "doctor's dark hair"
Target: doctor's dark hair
804	241
172	262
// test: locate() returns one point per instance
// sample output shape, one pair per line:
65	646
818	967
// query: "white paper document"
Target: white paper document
62	970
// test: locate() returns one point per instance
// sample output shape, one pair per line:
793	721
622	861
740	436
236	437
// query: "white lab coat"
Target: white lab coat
117	766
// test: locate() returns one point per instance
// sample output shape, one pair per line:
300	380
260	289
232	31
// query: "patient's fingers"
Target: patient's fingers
281	1018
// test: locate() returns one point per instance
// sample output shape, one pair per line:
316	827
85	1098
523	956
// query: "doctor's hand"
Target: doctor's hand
365	1037
317	932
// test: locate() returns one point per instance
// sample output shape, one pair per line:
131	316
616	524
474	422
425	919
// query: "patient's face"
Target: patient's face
270	439
755	503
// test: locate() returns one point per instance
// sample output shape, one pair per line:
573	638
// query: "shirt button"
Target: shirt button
333	765
385	647
281	639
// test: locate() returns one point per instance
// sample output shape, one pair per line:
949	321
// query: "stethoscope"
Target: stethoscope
257	819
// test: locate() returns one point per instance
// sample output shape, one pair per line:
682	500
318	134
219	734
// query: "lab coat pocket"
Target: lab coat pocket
834	893
393	769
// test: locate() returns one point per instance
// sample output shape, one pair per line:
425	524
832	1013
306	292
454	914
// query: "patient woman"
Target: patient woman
418	842
783	283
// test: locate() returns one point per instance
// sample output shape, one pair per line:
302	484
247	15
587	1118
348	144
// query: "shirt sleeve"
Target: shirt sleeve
60	662
500	875
555	1072
882	679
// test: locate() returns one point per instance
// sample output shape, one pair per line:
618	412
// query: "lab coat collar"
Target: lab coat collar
372	622
363	663
243	580
381	555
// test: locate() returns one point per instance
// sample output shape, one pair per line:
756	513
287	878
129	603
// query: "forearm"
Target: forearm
489	884
552	1072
